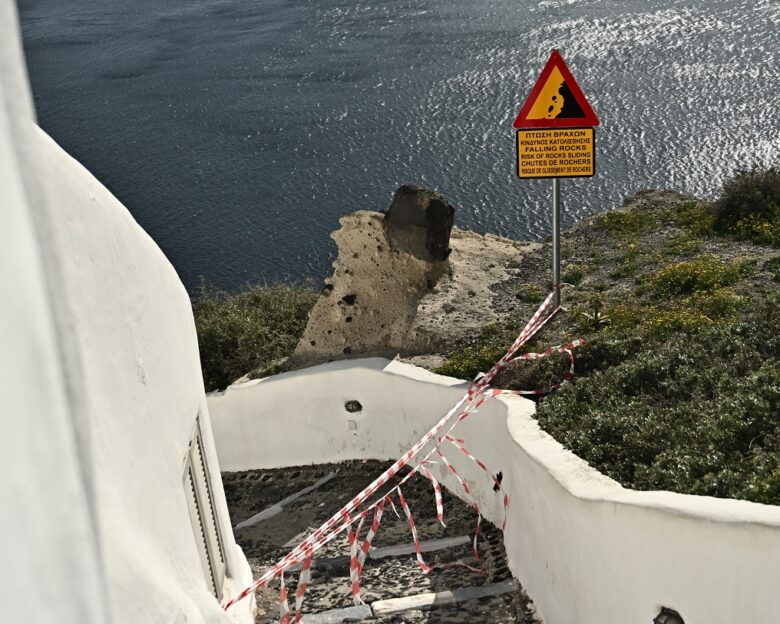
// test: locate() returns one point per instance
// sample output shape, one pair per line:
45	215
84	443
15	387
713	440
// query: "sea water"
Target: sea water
237	132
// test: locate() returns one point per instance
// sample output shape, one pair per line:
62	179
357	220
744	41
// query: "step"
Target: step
277	508
431	599
398	550
336	616
425	546
341	561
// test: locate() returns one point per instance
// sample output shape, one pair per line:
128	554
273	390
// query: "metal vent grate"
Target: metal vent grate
197	528
203	515
208	499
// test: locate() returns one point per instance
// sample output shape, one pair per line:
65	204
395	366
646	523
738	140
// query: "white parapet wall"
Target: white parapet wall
587	550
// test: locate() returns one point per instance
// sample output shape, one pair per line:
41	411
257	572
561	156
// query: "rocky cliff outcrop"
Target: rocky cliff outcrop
406	282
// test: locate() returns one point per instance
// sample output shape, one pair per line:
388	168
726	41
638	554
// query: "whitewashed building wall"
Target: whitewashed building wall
102	393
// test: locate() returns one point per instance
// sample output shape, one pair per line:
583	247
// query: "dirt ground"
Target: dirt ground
267	541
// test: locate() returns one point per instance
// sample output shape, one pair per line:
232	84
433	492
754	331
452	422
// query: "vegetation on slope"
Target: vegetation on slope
678	387
248	331
695	413
749	207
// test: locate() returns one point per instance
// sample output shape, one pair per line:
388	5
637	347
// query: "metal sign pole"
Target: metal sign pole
556	240
546	122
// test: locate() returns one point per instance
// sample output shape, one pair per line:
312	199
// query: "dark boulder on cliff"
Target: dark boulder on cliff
419	223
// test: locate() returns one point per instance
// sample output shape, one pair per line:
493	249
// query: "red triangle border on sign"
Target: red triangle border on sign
589	118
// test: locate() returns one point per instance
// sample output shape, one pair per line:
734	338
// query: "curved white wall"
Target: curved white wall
101	386
139	391
587	550
44	507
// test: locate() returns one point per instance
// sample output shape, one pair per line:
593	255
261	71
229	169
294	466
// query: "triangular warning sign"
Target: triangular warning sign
556	101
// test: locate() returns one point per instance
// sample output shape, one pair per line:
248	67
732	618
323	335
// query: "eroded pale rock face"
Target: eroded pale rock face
384	299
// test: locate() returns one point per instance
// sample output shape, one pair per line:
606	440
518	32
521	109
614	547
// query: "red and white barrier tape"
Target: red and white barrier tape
392	504
436	493
342	520
284	606
467	491
464	486
372	531
497	486
567	349
426	568
354	565
303	583
540	318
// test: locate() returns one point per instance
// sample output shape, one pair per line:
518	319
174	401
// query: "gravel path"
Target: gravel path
267	541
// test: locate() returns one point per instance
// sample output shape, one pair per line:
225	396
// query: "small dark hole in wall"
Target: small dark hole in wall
668	616
353	406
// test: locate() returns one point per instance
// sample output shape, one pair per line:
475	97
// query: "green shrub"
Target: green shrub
248	330
492	343
749	206
753	192
624	223
624	316
469	361
661	322
761	229
606	350
773	265
684	245
646	414
628	262
533	294
703	274
573	274
695	217
716	304
627	268
539	374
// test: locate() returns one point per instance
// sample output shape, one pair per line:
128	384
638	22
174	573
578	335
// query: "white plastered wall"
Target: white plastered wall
587	550
141	390
102	383
44	507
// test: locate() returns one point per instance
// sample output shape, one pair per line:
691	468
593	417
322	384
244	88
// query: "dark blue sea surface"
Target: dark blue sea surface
237	132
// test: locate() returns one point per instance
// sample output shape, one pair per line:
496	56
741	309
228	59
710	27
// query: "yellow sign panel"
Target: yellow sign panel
556	153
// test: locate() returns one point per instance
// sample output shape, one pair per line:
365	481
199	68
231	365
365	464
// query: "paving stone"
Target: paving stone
394	605
336	616
276	509
326	563
425	546
398	550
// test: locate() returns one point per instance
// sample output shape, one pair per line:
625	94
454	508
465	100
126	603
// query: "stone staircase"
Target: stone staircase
275	509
